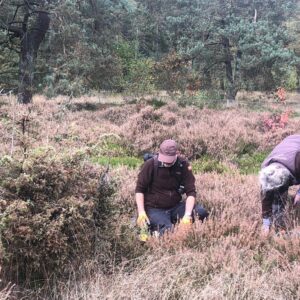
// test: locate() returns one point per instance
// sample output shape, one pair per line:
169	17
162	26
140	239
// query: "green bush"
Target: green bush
137	72
292	81
139	80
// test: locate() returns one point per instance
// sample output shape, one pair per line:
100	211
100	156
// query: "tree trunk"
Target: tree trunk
30	43
230	89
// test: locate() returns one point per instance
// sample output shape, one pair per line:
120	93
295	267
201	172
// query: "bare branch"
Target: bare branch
16	11
255	16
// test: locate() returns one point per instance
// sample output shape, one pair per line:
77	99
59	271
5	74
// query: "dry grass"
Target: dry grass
78	123
223	258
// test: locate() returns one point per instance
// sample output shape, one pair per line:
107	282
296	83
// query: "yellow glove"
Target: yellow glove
142	219
186	220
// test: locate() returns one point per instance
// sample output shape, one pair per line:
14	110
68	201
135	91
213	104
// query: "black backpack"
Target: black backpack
178	164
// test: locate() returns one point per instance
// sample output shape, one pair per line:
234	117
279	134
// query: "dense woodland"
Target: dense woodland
75	47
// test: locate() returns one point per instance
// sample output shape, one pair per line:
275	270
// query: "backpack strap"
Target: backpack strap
179	163
154	170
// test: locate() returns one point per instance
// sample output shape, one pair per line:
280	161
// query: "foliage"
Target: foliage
174	73
205	98
276	120
48	221
250	163
137	71
291	79
156	102
179	46
57	207
207	164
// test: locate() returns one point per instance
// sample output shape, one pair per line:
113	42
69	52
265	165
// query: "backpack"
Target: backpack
178	163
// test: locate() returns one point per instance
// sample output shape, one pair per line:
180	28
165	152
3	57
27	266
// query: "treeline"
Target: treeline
145	45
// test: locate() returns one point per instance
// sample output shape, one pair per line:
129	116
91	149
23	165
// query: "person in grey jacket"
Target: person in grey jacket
280	170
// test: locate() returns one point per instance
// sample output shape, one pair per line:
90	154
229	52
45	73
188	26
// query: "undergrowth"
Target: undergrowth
67	205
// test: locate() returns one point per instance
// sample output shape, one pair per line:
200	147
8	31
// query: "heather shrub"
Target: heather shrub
197	131
222	258
58	208
49	220
118	115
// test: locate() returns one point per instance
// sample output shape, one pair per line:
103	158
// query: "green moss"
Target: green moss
208	164
251	163
111	145
131	162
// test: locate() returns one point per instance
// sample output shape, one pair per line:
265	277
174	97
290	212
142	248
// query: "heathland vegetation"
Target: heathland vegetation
66	218
86	88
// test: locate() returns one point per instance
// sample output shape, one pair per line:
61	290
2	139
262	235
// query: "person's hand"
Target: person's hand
186	220
297	200
142	219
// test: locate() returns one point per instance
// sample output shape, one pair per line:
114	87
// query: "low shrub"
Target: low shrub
49	221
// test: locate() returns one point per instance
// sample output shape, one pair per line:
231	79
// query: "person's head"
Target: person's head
168	152
273	177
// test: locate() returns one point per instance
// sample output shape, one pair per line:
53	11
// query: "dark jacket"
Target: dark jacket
161	189
288	154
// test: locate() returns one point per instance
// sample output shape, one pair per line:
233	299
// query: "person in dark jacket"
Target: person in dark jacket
161	182
280	170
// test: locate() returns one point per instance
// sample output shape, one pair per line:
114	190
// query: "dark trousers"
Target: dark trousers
164	219
273	205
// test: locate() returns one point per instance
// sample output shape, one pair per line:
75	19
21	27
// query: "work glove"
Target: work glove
186	220
142	219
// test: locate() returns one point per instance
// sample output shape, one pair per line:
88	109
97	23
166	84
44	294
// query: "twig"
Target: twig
13	129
